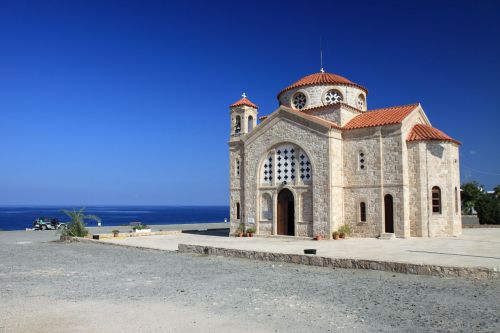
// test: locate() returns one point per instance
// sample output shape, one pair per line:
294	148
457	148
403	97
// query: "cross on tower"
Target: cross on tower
244	95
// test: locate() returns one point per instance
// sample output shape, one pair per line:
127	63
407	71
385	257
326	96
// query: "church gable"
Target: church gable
301	119
417	116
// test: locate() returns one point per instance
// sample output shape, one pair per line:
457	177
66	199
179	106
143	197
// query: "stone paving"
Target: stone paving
475	248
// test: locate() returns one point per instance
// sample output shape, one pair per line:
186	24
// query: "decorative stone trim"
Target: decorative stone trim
312	260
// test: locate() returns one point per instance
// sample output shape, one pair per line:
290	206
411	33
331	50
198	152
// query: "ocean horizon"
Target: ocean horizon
19	217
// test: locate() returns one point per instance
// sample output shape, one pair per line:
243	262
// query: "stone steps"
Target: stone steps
387	235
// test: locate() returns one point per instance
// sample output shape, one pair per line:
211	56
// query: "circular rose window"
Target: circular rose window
299	100
333	97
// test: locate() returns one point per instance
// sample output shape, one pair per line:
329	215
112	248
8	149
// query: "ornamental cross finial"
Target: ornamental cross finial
321	54
244	95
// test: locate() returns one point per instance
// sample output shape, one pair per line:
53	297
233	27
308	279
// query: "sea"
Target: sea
22	217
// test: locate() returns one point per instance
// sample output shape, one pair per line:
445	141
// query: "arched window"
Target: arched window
250	123
237	125
286	164
362	212
436	200
361	161
360	101
237	210
456	200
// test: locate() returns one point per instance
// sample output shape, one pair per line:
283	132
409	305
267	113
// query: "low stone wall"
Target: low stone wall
136	234
313	260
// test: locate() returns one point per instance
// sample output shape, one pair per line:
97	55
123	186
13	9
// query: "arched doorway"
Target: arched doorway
389	213
286	213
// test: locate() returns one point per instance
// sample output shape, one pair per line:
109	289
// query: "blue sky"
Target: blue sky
123	102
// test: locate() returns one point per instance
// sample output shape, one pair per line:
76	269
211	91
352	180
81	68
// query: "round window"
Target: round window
333	97
299	100
361	102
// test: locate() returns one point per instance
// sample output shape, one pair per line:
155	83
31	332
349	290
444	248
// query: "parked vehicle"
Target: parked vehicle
47	223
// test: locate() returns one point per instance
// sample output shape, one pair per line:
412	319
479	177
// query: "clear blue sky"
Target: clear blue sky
126	102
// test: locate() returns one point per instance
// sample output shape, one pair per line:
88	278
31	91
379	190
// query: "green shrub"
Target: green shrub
76	226
140	227
241	227
488	209
345	229
251	230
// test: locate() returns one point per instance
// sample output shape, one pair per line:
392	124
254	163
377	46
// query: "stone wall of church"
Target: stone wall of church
266	208
371	197
416	176
337	182
373	167
315	95
235	176
328	114
314	141
338	114
434	163
305	221
234	198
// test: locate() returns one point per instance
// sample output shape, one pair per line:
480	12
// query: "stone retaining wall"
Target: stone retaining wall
397	267
136	234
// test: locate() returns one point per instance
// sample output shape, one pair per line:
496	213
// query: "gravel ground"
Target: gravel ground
79	287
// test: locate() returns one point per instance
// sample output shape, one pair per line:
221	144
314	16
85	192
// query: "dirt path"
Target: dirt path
54	287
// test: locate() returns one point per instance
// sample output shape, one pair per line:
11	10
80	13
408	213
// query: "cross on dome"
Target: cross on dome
244	95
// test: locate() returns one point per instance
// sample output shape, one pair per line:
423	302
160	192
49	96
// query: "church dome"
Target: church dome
321	78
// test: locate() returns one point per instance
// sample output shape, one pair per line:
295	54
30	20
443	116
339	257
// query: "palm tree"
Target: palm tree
496	191
76	226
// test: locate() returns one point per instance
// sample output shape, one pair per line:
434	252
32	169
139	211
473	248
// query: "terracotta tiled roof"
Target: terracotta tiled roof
380	117
421	132
322	79
243	101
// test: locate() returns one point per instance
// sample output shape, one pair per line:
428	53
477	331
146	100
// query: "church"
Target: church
322	160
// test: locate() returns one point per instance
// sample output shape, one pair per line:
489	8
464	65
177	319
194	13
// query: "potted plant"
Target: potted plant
251	231
115	233
318	237
335	235
344	231
141	228
241	230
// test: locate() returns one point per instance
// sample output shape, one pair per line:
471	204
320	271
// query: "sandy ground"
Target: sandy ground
475	248
78	287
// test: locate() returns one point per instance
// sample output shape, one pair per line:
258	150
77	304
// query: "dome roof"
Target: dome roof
322	78
243	101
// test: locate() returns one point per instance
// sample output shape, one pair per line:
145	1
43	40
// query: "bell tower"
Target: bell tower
243	116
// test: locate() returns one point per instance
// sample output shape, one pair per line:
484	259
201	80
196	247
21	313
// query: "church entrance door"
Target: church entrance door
389	213
286	213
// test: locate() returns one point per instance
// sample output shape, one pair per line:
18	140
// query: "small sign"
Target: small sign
251	220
